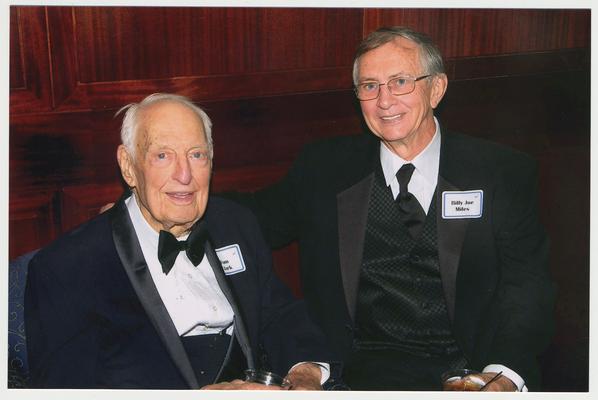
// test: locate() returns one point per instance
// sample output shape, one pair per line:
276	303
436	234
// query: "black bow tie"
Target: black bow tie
169	247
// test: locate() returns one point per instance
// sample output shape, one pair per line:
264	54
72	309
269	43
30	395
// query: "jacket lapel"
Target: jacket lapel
451	232
352	209
239	325
353	191
131	256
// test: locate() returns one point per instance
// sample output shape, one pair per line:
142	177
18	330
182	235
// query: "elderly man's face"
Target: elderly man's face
171	170
405	121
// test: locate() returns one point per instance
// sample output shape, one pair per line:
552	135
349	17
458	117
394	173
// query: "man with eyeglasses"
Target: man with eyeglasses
420	249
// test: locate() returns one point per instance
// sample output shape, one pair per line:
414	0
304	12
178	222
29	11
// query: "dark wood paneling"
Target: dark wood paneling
528	64
56	150
102	57
33	90
31	221
62	53
113	55
81	203
17	70
126	43
478	32
53	150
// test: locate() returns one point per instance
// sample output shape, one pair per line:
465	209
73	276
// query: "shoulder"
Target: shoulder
78	247
483	152
230	222
336	162
341	145
226	214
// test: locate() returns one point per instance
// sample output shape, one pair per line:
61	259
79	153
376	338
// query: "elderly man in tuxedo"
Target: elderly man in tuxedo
171	288
420	249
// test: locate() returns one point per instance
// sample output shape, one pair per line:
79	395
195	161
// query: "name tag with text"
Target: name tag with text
466	204
231	259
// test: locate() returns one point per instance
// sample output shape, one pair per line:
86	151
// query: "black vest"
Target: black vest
400	302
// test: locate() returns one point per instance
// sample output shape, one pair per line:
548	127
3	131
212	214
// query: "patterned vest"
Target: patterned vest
400	303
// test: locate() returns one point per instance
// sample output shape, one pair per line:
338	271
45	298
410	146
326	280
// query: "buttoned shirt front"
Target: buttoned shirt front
192	296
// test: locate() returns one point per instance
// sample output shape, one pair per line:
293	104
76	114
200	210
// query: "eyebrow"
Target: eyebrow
390	77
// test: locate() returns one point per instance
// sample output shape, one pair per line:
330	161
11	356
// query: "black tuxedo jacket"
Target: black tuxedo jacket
493	269
95	319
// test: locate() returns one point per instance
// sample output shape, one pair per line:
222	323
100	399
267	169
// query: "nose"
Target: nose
385	99
182	172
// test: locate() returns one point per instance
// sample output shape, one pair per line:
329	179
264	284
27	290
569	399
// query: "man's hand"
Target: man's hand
306	376
238	384
106	207
502	384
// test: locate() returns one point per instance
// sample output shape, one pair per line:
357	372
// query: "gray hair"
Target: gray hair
128	130
430	57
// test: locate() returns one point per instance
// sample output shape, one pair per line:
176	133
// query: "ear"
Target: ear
439	84
125	162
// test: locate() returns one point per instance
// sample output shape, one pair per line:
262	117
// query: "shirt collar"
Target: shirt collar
426	162
143	229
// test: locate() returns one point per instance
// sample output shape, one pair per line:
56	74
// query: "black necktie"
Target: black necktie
169	247
412	212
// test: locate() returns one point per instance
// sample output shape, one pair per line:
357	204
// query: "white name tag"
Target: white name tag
467	204
231	259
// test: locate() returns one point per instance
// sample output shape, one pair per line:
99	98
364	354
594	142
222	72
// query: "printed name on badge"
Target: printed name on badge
231	259
467	204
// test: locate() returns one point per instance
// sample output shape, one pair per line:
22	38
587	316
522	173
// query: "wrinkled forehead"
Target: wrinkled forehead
402	48
171	121
399	55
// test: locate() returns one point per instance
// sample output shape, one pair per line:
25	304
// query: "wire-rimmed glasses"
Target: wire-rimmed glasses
397	86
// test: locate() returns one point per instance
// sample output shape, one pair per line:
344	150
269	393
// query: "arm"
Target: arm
61	347
525	297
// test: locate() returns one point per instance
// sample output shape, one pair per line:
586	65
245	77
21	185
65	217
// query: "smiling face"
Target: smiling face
170	173
404	123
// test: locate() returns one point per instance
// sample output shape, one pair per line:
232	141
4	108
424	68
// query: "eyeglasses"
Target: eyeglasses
397	86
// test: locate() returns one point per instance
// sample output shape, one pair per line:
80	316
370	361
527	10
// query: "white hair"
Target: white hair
128	130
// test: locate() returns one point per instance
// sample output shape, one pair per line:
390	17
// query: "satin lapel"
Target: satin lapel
239	325
451	234
131	256
352	208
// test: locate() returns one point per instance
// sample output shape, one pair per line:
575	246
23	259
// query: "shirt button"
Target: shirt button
214	308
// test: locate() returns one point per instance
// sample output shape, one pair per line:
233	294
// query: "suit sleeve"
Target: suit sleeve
61	346
526	293
288	336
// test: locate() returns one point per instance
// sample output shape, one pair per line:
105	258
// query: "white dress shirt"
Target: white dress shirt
425	176
423	185
191	294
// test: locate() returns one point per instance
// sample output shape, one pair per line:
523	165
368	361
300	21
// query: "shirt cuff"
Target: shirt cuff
509	373
324	369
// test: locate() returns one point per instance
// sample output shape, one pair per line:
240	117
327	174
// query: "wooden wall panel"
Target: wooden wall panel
55	150
117	54
31	221
478	32
31	77
17	71
117	44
